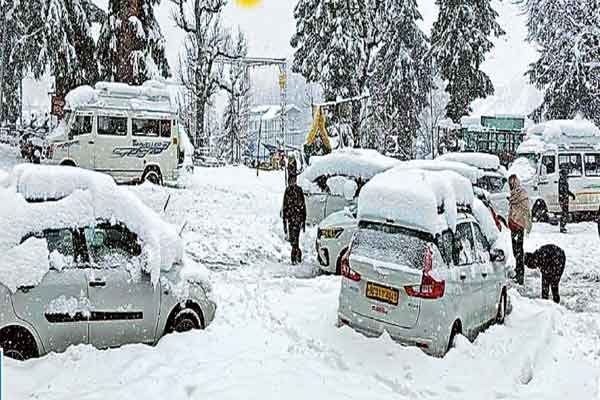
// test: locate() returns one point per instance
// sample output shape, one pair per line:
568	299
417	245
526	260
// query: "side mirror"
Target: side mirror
497	256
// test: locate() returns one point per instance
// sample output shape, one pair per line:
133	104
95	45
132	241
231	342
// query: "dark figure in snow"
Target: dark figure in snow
563	197
519	223
550	259
294	217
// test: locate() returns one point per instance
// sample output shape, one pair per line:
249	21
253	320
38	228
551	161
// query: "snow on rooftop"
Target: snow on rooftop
85	197
150	96
484	161
414	198
471	173
348	162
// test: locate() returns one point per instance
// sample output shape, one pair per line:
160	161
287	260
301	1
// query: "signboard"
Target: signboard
58	105
503	123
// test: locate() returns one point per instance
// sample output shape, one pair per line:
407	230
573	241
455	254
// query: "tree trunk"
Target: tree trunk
200	134
356	133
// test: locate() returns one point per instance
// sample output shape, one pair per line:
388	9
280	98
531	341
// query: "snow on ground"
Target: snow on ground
274	335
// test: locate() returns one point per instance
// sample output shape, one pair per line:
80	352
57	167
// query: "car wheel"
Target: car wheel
501	314
540	212
186	320
153	177
456	330
19	345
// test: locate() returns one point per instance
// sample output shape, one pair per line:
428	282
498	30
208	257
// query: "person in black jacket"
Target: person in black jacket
550	259
563	197
294	216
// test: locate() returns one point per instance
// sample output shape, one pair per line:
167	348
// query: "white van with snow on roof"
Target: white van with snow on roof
129	132
550	146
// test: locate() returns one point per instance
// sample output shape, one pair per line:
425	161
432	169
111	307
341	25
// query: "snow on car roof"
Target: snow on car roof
415	198
559	130
151	96
81	198
471	173
349	162
484	161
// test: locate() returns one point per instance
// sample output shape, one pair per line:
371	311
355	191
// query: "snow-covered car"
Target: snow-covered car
83	261
550	146
333	238
129	132
334	181
494	177
426	263
336	231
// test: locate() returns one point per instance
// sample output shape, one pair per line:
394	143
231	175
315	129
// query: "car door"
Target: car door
58	306
469	275
577	182
489	281
82	136
124	302
548	182
113	150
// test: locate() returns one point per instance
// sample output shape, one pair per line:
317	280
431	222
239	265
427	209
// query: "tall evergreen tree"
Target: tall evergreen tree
336	43
131	47
567	33
66	44
402	78
460	40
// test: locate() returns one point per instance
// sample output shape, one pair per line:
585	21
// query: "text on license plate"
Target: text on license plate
382	293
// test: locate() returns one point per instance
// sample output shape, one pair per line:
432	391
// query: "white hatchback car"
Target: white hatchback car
422	288
83	261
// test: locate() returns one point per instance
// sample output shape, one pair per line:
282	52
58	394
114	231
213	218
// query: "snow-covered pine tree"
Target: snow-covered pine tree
131	47
567	33
461	37
402	78
335	44
66	45
232	142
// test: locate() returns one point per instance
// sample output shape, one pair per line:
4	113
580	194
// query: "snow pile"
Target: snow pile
86	197
347	162
471	173
69	305
523	169
80	97
420	199
24	265
483	161
557	130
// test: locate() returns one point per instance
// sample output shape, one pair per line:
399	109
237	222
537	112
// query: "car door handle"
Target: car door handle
484	274
26	288
91	142
463	277
97	283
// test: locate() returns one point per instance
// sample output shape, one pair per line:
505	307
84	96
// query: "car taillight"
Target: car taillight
429	287
497	219
50	151
348	272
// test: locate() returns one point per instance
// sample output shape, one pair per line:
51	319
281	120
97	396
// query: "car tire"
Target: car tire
540	212
501	313
186	320
153	176
456	330
19	345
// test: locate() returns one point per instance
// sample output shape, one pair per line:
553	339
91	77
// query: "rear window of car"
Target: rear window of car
493	184
391	244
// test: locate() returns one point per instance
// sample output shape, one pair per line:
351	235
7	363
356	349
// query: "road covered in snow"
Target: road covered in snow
274	335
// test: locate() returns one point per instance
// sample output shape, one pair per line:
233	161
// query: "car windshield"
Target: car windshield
390	244
533	159
493	184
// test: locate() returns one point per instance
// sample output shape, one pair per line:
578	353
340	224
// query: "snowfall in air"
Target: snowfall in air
275	332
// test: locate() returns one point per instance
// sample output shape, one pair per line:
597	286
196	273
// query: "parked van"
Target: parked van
571	144
128	132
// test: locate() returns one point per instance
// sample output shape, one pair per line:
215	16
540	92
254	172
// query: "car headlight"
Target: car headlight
330	233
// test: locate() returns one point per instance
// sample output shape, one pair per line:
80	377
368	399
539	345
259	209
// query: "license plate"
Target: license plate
382	293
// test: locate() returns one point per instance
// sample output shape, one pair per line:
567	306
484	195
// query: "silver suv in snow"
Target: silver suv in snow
423	290
95	287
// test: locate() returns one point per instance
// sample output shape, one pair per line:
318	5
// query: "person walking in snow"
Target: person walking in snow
519	222
294	216
563	197
550	259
